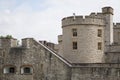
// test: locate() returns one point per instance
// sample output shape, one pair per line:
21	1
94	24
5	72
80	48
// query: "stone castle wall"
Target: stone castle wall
48	65
85	63
87	39
45	64
98	72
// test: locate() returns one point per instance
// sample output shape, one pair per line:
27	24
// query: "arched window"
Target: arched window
26	70
9	69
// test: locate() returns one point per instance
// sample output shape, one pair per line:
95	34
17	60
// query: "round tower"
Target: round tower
108	18
83	39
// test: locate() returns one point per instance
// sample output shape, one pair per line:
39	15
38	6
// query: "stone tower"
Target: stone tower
108	18
83	39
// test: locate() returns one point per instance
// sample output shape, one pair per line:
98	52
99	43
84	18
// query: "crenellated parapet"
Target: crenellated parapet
96	15
117	25
8	42
107	10
80	20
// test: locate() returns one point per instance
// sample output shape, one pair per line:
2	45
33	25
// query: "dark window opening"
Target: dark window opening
27	70
74	45
11	70
99	46
99	33
8	69
74	31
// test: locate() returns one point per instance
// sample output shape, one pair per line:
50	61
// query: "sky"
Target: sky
41	19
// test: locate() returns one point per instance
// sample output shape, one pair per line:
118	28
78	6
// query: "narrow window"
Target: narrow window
99	33
99	46
74	45
74	32
41	66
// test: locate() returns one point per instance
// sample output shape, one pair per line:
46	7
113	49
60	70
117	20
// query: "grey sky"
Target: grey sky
41	19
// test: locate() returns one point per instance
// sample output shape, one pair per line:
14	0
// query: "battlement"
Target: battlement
80	20
117	25
8	42
27	42
96	15
107	10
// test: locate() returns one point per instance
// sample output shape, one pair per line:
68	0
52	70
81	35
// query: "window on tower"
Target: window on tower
99	33
74	45
99	45
74	32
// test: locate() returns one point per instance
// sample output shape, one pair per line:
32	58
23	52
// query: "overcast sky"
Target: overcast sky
41	19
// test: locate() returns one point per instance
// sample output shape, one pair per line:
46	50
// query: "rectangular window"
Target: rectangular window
12	70
74	32
27	70
99	45
99	33
74	45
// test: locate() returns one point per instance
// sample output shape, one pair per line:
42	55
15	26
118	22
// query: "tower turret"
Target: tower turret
107	10
82	40
108	17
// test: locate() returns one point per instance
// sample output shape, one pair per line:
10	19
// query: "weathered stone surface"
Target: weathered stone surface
46	66
85	63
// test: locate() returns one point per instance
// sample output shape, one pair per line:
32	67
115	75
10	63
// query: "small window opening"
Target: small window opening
26	70
74	31
99	33
74	45
9	69
99	46
12	70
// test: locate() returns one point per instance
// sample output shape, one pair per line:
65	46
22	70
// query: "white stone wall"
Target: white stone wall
108	29
108	18
87	40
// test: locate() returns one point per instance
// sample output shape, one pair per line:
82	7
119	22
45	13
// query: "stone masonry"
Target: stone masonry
95	55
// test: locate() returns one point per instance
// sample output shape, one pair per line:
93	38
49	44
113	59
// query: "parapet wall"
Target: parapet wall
117	25
7	43
97	15
80	20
